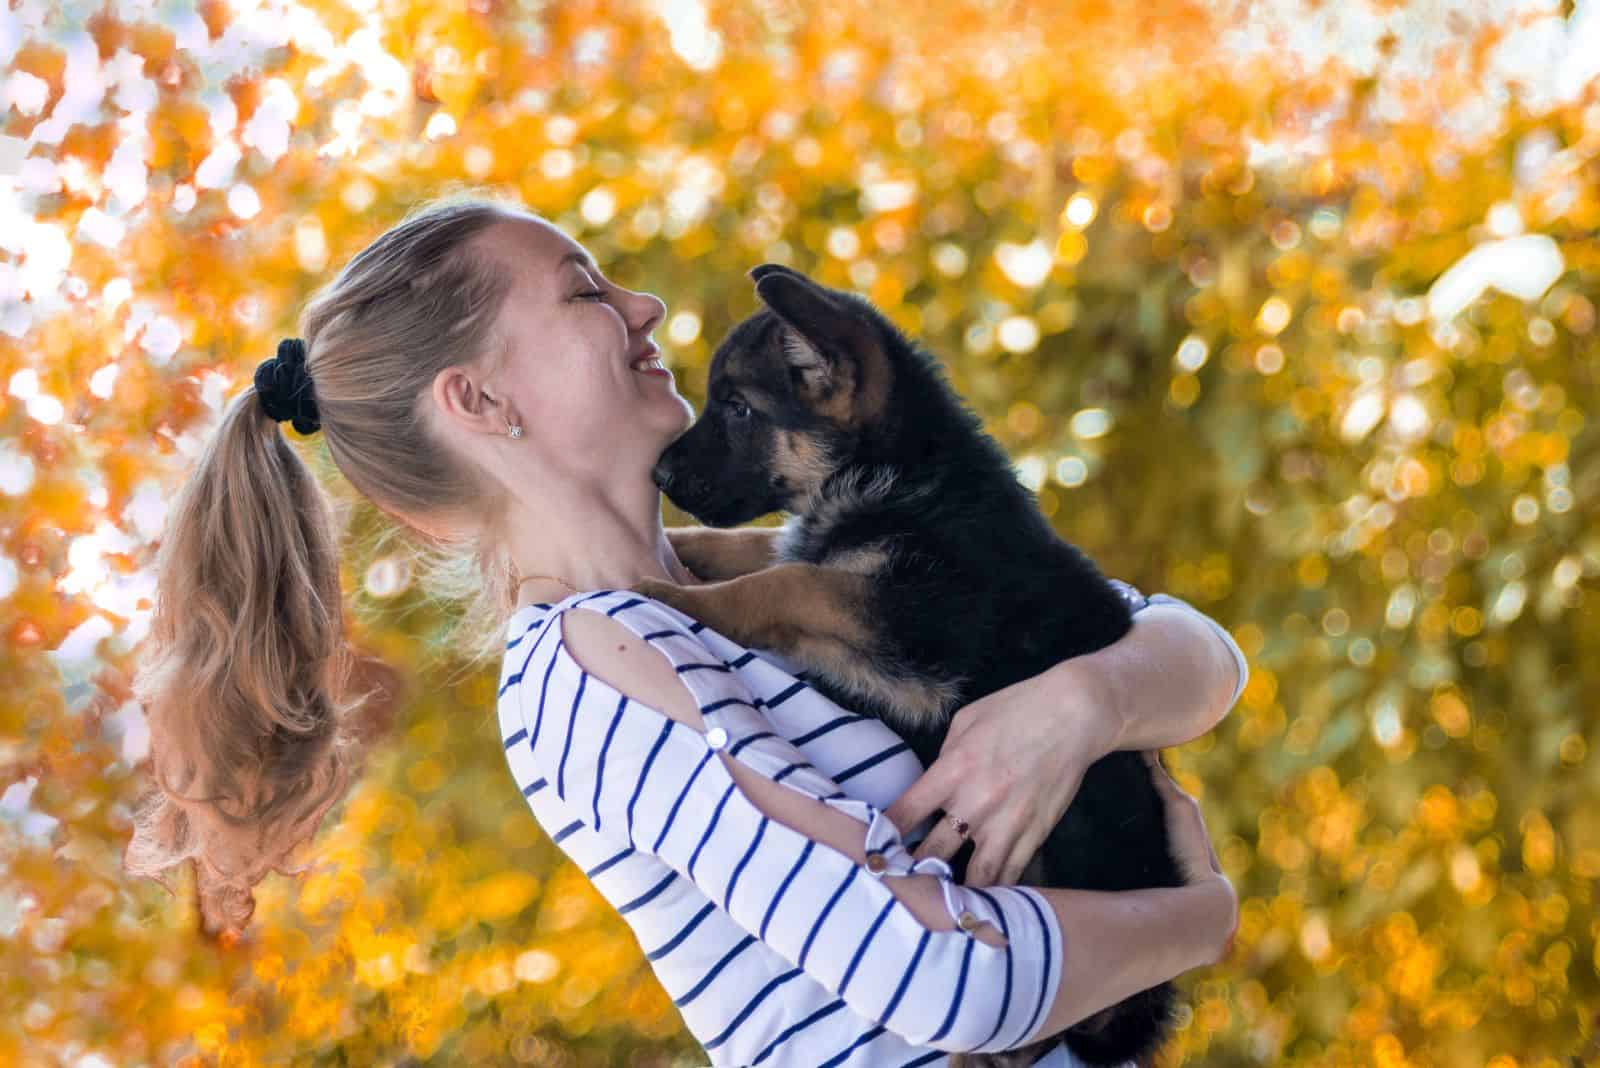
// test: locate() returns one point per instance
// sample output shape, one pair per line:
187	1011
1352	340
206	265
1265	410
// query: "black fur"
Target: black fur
977	587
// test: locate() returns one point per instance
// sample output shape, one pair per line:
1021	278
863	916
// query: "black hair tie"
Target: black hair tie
284	385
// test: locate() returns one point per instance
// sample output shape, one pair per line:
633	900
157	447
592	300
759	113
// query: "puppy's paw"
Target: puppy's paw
666	592
702	603
696	548
715	554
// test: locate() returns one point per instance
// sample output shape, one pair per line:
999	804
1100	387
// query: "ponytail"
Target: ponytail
246	675
245	670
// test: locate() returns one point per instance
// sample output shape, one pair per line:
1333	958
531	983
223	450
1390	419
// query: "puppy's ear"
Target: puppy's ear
830	344
816	331
815	371
762	270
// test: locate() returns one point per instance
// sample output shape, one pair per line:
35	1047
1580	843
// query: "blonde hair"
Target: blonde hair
245	676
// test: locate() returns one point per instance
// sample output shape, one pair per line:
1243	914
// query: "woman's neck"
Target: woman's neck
592	537
549	583
592	550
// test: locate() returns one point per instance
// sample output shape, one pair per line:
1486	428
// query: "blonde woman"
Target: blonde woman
480	380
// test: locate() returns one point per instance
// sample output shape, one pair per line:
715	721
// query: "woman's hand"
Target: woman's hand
1009	768
1186	826
1197	859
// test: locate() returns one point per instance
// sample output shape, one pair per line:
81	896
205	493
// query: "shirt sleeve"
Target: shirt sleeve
627	768
1138	601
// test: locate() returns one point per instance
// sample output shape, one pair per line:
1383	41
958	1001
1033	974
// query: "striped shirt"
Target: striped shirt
776	950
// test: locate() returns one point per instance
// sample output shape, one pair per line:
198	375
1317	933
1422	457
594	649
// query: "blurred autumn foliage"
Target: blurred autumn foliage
1307	338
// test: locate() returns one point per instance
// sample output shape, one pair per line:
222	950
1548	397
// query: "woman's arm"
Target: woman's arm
888	947
1121	943
1013	760
1115	944
1170	679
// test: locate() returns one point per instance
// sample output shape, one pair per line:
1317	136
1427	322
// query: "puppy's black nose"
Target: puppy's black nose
661	475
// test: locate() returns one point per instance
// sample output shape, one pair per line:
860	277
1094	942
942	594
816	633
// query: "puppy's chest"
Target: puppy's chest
809	543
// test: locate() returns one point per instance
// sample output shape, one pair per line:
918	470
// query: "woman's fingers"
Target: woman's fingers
942	841
1186	824
1017	858
922	798
1003	844
994	842
1216	865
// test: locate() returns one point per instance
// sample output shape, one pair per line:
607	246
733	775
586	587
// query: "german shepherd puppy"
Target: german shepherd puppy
916	575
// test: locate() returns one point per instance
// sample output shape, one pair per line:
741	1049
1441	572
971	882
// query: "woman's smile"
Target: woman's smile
649	362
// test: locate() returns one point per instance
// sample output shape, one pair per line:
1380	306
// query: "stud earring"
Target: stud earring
516	431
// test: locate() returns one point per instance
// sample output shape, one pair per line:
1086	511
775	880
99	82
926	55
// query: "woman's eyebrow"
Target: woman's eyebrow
580	258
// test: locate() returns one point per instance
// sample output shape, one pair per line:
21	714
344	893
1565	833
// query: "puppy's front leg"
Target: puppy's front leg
714	554
818	617
776	607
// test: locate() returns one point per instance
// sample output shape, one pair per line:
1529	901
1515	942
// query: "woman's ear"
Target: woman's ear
460	397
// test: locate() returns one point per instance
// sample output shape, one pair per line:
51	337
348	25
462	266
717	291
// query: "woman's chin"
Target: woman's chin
683	417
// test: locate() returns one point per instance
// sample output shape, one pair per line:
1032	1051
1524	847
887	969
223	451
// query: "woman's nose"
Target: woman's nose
652	307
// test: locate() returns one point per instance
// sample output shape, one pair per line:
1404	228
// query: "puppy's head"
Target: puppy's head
790	391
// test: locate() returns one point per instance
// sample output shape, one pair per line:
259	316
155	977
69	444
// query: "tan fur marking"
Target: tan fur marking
801	460
838	405
863	560
812	615
914	703
872	390
756	608
715	554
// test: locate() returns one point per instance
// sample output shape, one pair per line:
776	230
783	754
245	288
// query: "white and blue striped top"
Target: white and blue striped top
777	950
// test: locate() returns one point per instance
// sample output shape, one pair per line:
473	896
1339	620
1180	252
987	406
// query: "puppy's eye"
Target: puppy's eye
738	408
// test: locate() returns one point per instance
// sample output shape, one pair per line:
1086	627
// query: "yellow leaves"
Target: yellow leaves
1450	712
1438	813
1071	247
1538	843
1312	571
1261	688
436	881
326	890
503	895
380	958
1094	170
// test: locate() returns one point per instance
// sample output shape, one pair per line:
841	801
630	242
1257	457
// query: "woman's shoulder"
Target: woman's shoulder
631	609
535	629
712	665
584	652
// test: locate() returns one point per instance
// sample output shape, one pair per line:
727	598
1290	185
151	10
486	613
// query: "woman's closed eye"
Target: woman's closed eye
590	294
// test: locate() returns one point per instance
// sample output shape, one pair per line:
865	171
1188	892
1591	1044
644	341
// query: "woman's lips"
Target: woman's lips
648	363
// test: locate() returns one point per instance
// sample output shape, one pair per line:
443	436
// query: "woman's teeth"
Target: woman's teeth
650	363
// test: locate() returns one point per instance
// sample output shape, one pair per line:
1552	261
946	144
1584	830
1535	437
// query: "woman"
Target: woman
478	379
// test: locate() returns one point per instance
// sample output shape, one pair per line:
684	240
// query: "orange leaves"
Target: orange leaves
454	53
217	15
42	60
180	135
